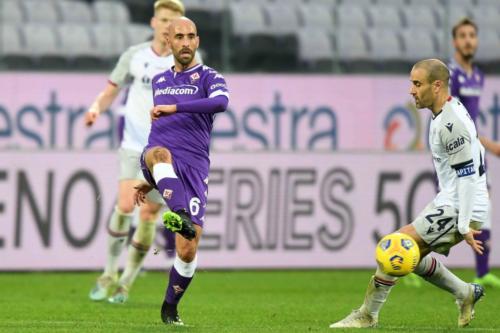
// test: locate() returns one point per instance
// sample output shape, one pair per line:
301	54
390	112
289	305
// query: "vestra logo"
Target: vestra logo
179	90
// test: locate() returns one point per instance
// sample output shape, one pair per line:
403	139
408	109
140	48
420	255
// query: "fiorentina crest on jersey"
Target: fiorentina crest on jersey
167	194
194	77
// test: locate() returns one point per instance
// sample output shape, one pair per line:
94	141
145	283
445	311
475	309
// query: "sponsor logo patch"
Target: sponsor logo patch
450	147
466	170
179	90
217	85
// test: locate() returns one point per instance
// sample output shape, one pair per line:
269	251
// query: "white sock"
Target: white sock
185	269
436	273
118	229
378	289
141	242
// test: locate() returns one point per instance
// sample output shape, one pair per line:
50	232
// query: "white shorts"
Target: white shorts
438	227
130	169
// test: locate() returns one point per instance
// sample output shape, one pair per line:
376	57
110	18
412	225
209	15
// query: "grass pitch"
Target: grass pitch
239	301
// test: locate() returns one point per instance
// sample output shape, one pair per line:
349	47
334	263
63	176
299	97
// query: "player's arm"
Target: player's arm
490	145
118	78
102	102
204	105
457	142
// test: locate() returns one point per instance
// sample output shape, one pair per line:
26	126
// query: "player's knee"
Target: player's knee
186	253
158	155
149	212
125	206
148	216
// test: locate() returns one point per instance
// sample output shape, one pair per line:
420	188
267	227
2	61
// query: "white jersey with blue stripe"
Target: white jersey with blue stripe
457	152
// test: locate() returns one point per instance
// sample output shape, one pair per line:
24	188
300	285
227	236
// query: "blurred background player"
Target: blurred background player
456	212
176	160
135	68
466	84
491	146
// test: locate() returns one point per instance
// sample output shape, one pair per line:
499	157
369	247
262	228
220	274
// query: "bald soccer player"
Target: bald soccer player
458	210
176	161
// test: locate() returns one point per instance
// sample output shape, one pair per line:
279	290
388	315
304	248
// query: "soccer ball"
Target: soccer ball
397	254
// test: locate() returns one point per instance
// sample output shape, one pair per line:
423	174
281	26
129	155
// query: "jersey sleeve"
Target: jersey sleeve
454	84
215	85
457	143
120	75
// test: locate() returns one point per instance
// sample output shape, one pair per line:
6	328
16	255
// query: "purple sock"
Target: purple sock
177	285
482	261
173	193
169	246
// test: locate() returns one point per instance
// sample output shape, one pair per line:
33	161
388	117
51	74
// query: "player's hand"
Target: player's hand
476	245
90	117
162	110
140	192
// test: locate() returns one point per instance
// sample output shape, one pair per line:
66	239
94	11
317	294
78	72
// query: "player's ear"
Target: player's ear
437	85
152	22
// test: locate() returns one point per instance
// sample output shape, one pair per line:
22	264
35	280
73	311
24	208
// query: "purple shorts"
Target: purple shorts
195	187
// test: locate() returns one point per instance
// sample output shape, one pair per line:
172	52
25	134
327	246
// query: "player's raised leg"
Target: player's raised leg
118	228
159	162
139	246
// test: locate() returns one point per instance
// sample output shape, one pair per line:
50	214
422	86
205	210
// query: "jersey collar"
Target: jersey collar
187	70
434	116
461	69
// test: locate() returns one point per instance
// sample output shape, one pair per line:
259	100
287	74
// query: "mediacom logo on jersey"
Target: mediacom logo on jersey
180	90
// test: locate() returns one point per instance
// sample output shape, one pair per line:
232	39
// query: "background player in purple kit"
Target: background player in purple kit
466	83
176	159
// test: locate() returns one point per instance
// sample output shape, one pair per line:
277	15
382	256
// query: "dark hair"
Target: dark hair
462	22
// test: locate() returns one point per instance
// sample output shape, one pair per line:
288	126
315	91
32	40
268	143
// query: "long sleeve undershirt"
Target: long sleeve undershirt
205	105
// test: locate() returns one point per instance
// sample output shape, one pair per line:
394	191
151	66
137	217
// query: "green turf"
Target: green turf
247	301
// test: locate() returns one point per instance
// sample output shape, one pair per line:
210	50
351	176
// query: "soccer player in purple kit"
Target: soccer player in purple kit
466	84
176	159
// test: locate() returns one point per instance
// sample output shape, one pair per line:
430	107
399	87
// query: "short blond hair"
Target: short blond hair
174	5
436	70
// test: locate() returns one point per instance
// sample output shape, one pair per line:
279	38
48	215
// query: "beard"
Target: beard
183	60
467	53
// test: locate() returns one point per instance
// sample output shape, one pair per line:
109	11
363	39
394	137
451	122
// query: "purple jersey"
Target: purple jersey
466	88
187	132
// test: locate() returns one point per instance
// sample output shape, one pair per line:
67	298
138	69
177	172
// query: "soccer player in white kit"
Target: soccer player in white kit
135	68
457	211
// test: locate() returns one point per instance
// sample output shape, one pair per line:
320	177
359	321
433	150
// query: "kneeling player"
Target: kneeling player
458	210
